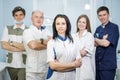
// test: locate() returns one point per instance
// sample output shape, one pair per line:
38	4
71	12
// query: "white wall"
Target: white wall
115	15
2	56
1	17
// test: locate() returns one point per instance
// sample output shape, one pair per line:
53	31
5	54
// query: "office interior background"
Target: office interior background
72	8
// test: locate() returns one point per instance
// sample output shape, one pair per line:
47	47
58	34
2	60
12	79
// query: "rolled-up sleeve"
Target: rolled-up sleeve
89	46
5	36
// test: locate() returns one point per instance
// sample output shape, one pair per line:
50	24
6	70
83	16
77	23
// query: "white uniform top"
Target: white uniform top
86	41
17	59
66	52
36	59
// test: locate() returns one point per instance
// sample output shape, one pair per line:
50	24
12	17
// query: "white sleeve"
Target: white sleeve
89	46
5	36
50	52
78	56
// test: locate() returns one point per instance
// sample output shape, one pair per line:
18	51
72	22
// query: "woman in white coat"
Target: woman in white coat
85	44
67	56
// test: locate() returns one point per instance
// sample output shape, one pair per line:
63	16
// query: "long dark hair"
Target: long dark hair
68	30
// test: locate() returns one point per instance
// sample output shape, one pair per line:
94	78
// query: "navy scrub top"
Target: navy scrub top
106	56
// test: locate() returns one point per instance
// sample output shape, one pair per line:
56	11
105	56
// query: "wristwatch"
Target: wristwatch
42	40
11	43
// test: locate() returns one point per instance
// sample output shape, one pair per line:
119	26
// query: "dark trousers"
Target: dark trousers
17	73
105	74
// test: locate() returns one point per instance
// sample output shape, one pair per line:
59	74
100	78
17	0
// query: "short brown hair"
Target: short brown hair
102	8
18	8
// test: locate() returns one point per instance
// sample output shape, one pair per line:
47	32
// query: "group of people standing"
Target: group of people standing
73	52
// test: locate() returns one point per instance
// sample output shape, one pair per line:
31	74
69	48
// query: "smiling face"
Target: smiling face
37	18
82	24
103	17
19	16
61	25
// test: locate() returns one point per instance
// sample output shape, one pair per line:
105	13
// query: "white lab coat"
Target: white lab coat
36	59
86	41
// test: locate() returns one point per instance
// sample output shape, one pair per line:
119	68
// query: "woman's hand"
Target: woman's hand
78	63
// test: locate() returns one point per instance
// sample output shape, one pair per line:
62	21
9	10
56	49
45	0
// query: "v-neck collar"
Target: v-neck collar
61	38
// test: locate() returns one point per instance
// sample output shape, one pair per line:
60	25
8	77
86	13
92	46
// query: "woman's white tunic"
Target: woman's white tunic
66	52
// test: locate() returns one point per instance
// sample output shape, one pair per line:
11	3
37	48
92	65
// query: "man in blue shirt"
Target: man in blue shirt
106	40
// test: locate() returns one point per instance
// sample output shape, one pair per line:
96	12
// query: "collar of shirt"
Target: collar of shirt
84	33
22	26
61	38
43	27
103	26
34	27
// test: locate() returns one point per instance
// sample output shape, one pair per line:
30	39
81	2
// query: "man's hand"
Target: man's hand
105	36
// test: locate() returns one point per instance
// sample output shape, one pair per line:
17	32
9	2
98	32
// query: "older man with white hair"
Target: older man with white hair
35	41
